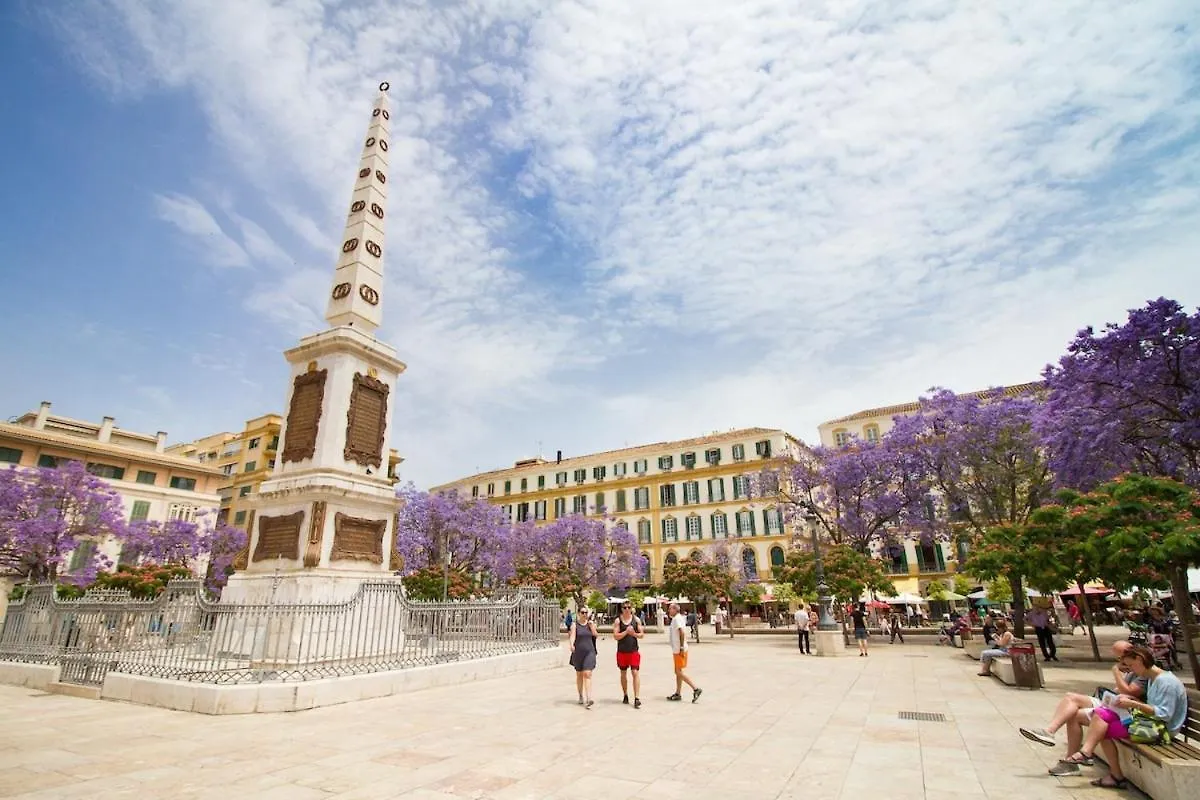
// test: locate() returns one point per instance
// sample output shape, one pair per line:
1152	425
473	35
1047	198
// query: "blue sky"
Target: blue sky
609	223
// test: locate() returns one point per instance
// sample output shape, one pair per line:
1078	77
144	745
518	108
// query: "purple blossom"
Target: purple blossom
45	514
578	553
476	534
1127	399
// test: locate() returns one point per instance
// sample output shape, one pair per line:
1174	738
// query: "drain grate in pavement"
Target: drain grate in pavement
922	716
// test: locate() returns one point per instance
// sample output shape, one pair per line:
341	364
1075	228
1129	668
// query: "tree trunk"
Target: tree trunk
1018	604
1086	608
1183	607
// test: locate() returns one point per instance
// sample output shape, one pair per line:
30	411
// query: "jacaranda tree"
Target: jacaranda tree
468	535
575	554
46	513
984	461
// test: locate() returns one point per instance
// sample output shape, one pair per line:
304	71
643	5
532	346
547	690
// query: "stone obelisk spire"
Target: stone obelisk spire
358	281
324	521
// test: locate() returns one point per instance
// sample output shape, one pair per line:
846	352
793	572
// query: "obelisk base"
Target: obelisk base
830	643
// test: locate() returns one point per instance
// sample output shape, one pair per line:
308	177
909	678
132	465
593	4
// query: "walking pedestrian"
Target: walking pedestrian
859	617
802	630
583	655
626	631
1076	617
1039	618
679	654
895	629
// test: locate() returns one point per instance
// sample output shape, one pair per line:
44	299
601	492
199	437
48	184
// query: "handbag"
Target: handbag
1145	729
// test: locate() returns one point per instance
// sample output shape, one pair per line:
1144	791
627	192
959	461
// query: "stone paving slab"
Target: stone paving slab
771	724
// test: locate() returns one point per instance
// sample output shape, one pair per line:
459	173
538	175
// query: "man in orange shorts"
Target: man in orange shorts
679	653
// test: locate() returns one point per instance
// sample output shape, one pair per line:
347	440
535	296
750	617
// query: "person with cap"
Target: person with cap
679	654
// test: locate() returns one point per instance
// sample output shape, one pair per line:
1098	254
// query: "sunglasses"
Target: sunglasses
624	608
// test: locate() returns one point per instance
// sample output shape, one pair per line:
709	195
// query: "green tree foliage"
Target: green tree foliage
597	602
962	585
696	578
936	590
999	591
847	572
426	584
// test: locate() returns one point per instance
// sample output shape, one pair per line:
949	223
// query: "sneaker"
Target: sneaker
1064	768
696	694
637	702
590	703
625	699
581	701
674	696
1039	735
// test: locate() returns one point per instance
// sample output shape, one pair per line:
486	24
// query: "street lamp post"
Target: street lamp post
825	620
445	566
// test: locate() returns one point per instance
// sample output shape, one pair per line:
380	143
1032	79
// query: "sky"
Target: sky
609	222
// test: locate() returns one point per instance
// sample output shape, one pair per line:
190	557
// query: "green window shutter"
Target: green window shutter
752	531
941	556
141	510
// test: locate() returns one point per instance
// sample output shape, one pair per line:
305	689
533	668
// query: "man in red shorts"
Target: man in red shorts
626	632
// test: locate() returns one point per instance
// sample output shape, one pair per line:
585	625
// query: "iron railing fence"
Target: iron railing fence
185	635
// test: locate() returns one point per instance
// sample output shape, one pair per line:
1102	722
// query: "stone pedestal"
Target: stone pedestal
829	643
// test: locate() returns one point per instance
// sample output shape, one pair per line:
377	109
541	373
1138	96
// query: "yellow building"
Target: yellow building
245	460
154	482
918	563
677	497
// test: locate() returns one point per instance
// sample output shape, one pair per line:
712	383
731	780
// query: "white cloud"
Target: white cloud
190	216
760	214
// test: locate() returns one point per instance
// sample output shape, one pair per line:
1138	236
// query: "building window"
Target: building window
763	448
713	456
141	510
50	462
10	455
640	467
560	479
522	512
231	448
82	555
620	500
619	469
560	507
491	490
539	509
186	484
688	460
666	462
524	484
600	502
271	465
250	466
720	525
666	495
146	477
871	433
474	491
580	475
772	523
239	518
672	558
741	487
541	482
244	491
693	528
644	531
107	471
739	452
228	469
716	490
579	504
777	556
841	437
645	571
599	473
181	512
691	492
745	523
641	498
508	487
273	444
750	564
670	530
253	443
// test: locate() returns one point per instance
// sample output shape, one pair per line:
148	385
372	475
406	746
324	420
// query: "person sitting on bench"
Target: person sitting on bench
999	648
1074	711
1166	701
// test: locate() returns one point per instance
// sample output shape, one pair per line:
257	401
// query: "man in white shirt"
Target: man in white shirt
679	653
802	630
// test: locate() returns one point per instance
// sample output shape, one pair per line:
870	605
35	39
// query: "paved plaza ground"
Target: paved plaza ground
771	724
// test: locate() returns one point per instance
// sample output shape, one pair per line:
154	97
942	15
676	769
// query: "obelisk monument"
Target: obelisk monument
323	522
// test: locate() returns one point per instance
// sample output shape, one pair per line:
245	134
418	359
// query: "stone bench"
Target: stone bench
1002	669
1166	771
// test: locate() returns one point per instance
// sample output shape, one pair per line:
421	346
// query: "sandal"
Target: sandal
984	674
1116	784
1080	758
